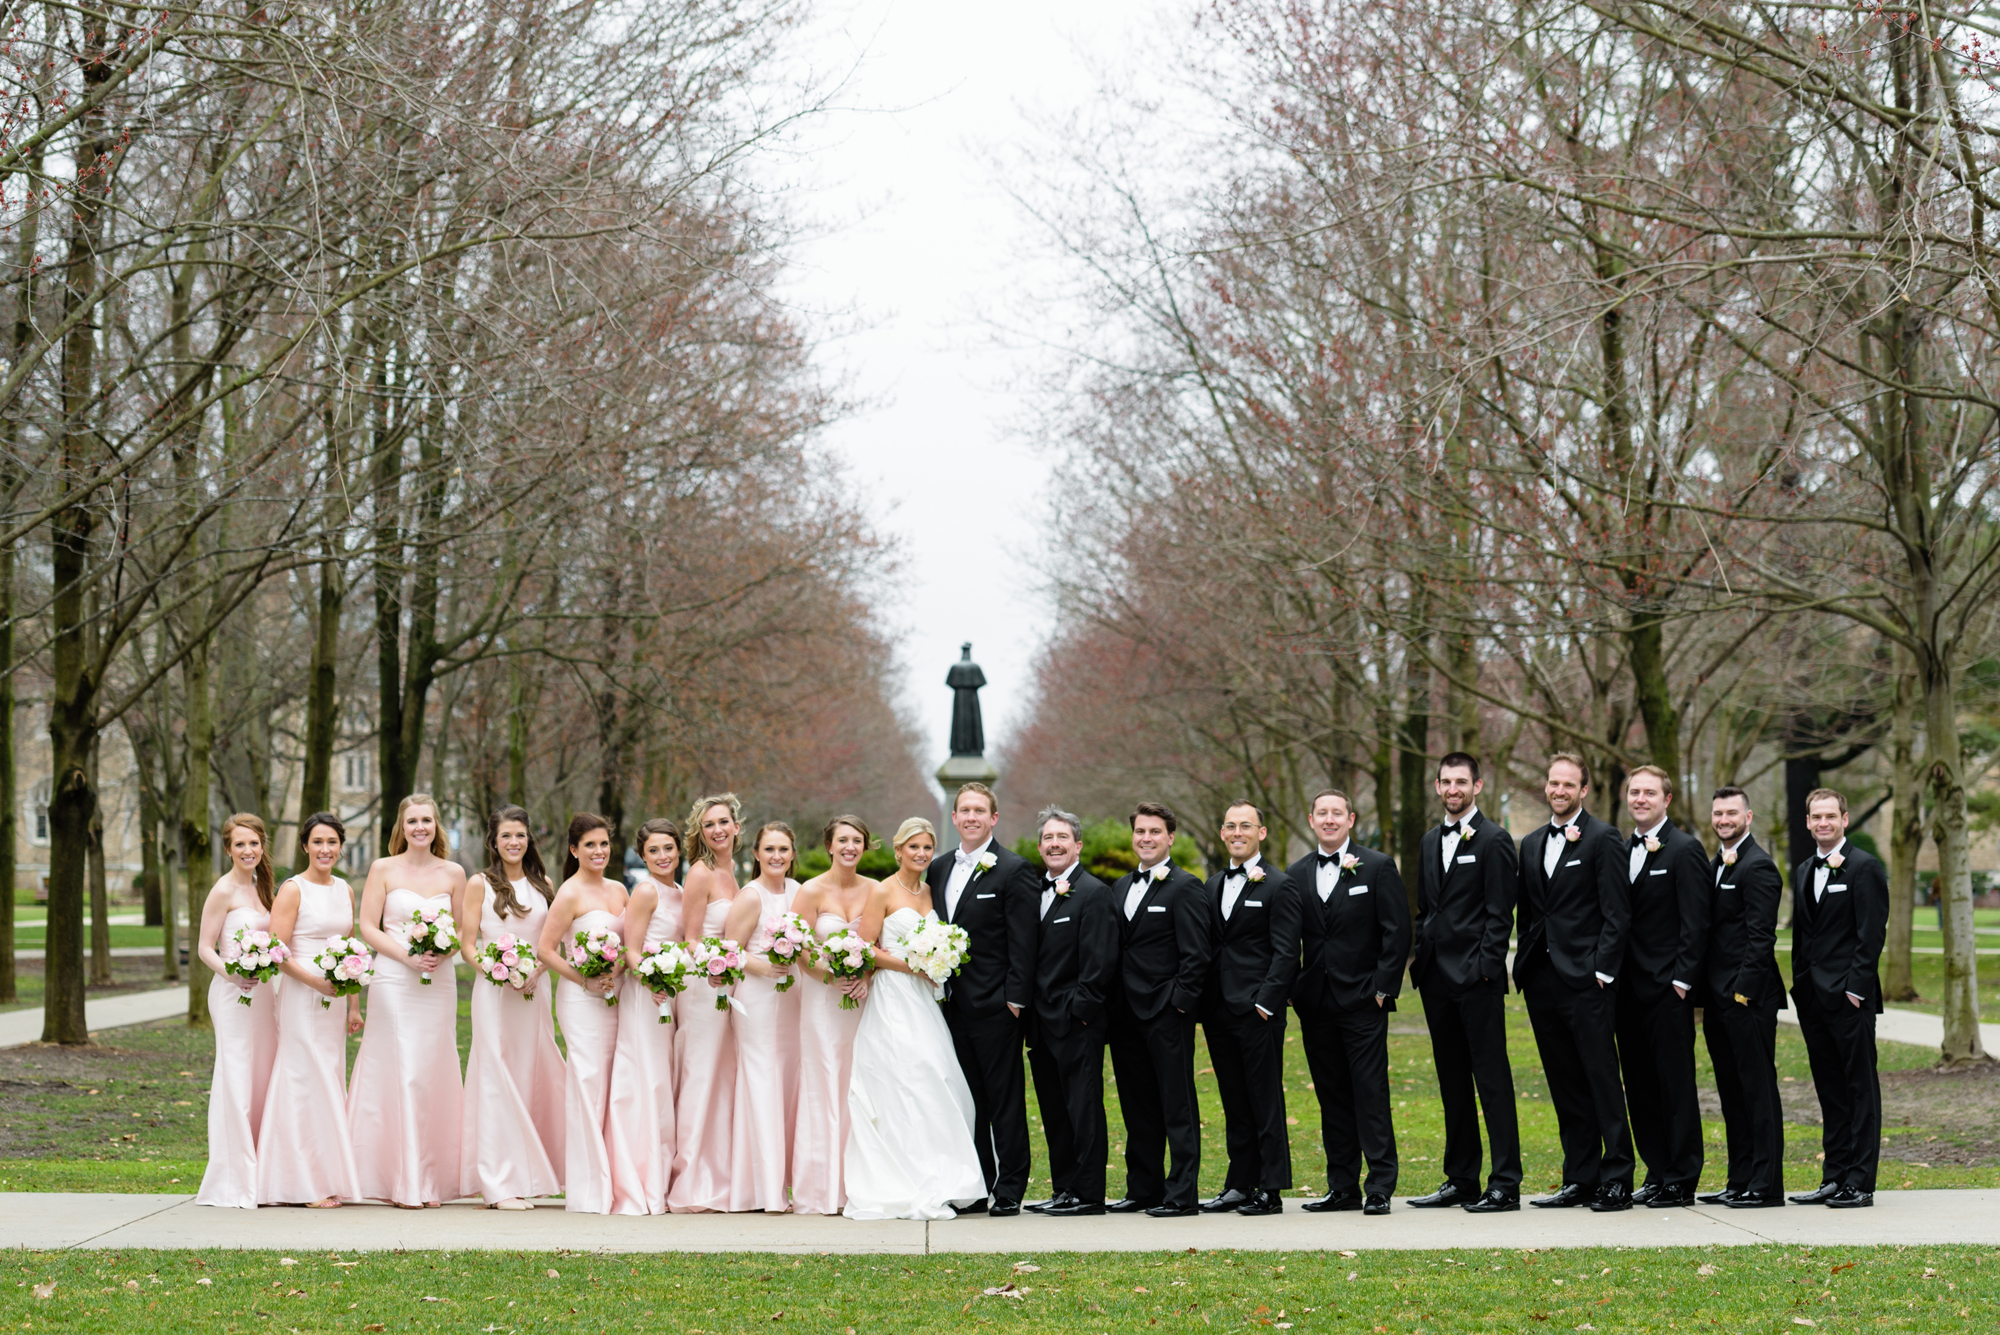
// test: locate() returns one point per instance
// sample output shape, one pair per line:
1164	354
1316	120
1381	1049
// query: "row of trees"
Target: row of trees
409	376
1581	374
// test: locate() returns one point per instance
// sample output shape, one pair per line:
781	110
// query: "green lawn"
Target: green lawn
1776	1290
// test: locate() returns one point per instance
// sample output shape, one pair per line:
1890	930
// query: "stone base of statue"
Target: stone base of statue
965	769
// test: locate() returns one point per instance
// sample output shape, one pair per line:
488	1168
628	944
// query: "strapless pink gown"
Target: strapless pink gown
407	1102
704	1091
513	1143
826	1060
246	1044
590	1032
640	1128
767	1080
307	1153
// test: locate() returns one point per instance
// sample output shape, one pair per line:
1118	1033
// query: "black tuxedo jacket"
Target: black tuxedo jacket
1743	930
1670	912
1837	939
997	911
1164	948
1465	912
1581	913
1076	955
1355	942
1257	948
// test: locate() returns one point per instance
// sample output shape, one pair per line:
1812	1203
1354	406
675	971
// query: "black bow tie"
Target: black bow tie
1454	827
1819	862
1327	859
1638	840
1236	871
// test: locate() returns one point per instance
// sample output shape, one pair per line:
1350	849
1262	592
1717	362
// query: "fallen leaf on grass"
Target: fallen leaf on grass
47	1290
555	1274
204	1280
1705	1269
1025	1267
778	1315
132	1284
374	1326
1804	1321
1845	1265
286	1260
1006	1290
1349	1255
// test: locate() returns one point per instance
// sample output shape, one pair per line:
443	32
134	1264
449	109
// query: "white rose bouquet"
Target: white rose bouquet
253	953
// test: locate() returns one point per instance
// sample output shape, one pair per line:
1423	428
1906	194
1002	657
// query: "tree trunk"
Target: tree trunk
322	694
1906	834
1382	772
100	896
1944	762
158	914
22	335
387	574
1414	770
197	847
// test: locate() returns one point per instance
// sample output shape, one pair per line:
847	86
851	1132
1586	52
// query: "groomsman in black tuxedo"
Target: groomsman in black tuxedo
1742	993
1163	953
1575	908
1840	913
1667	869
1253	916
1354	934
992	892
1076	954
1465	917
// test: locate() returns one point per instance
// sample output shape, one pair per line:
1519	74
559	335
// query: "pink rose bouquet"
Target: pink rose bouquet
597	953
432	932
253	953
720	961
783	938
507	961
846	955
347	963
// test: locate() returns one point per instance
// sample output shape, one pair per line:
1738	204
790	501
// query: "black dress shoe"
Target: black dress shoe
1572	1194
1333	1202
1448	1194
1170	1211
1750	1200
1719	1197
1819	1195
1126	1205
1043	1207
977	1207
1002	1208
1262	1202
1376	1204
1224	1203
1073	1207
1495	1201
1851	1198
1611	1198
1671	1197
1644	1195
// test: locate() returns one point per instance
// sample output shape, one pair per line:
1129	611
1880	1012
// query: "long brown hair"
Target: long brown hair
397	843
702	852
266	878
790	838
582	823
505	902
661	825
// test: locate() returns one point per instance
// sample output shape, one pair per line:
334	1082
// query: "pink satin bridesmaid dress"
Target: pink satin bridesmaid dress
640	1129
407	1102
307	1153
826	1059
704	1090
767	1079
246	1045
590	1033
513	1144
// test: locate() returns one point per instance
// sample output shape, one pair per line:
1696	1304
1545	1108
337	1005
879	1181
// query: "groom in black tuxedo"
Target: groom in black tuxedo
1075	957
992	892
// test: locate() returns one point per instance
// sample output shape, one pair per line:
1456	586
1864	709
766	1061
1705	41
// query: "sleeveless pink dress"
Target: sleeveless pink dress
406	1103
513	1142
590	1033
246	1044
640	1129
826	1060
767	1080
704	1090
306	1153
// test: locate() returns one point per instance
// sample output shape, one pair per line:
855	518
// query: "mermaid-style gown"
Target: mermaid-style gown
513	1144
246	1045
407	1103
640	1129
307	1152
590	1032
704	1090
826	1058
767	1078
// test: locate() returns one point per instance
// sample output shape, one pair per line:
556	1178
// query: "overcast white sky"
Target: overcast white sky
922	246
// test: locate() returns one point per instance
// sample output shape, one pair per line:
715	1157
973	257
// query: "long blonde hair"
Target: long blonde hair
266	878
704	854
399	844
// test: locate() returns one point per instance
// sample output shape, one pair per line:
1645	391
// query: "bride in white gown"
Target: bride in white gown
909	1150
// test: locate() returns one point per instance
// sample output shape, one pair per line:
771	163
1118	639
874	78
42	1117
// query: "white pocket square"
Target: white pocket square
1357	889
1658	871
982	896
1574	862
1156	908
1467	857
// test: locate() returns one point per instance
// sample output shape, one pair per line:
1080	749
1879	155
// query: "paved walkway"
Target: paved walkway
1895	1025
25	1026
46	1222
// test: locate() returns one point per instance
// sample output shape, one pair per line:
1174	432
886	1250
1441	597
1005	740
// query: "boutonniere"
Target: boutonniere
1348	862
1652	844
986	861
1834	860
1062	887
1464	833
1728	857
1159	873
1572	833
1254	874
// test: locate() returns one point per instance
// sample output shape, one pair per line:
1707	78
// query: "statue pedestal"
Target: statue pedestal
965	769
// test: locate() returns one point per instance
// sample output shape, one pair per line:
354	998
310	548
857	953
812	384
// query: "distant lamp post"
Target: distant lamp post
968	762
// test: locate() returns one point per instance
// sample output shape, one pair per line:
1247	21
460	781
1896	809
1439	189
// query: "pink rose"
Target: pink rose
1728	857
500	971
1572	833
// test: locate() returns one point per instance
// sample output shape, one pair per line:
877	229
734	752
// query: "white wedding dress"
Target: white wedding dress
909	1149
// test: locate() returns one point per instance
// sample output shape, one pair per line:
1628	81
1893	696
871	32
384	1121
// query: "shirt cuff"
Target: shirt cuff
1682	986
1856	1000
1605	978
1261	1011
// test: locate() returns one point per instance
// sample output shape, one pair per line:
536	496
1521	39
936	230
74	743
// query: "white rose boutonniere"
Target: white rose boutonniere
1254	874
1572	833
1348	862
1834	861
1062	887
986	861
1728	857
1160	872
1652	844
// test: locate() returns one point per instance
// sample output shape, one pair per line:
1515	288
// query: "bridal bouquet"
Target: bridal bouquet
595	954
432	932
507	961
345	962
937	950
255	954
721	962
783	938
846	955
665	970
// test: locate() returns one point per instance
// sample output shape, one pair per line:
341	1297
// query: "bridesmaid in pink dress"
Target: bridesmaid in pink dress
705	1047
830	902
307	1156
246	1037
406	1104
640	1130
587	1009
767	1036
511	1147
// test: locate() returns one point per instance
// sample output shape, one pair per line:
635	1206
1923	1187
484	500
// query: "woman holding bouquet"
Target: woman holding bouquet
246	1037
306	1156
580	942
767	1032
705	1075
512	1144
640	1129
406	1103
834	902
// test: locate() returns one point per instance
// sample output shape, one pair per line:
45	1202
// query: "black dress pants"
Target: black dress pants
1248	1053
1840	1044
1742	1047
989	1052
1348	1055
1656	1053
1069	1089
1469	1044
1153	1063
1575	1033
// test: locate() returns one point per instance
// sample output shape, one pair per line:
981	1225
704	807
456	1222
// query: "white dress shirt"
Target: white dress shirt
1049	887
1821	872
1552	848
1638	858
1449	846
1327	876
1137	890
1234	883
962	867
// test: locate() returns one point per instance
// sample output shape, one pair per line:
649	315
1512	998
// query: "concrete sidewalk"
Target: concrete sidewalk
47	1222
25	1026
1918	1029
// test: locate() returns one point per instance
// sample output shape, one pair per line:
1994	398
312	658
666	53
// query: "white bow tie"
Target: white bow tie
964	857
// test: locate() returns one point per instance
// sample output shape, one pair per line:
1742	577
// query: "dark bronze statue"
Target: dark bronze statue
968	735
